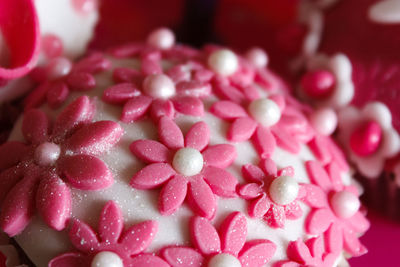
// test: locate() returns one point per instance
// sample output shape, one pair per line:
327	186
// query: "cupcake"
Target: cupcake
159	153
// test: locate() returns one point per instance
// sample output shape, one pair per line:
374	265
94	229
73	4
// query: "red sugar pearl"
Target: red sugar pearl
52	46
318	84
366	139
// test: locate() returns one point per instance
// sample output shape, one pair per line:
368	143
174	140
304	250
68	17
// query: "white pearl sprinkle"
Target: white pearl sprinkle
162	38
188	161
159	86
283	190
224	260
107	259
345	204
223	61
257	57
265	111
324	121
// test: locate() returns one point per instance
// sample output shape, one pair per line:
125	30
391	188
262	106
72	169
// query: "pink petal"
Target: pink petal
225	91
182	257
8	179
257	253
251	92
201	198
150	63
179	74
285	140
37	96
93	63
126	50
293	211
35	126
189	105
275	216
138	237
127	75
79	112
233	232
334	239
70	259
222	183
314	196
83	237
145	260
172	195
203	75
320	149
316	246
204	236
81	81
193	88
198	136
95	138
53	201
57	94
86	172
120	93
169	133
337	155
358	222
269	167
241	129
352	245
220	156
286	171
318	175
19	206
318	221
135	108
279	99
152	176
334	173
150	151
259	207
161	107
252	173
111	223
264	142
228	110
11	153
298	251
250	191
286	264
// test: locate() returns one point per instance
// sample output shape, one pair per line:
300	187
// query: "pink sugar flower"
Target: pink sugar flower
37	174
112	246
273	193
185	166
226	247
335	209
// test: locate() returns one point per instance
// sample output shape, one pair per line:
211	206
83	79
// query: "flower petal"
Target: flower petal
257	253
161	107
79	112
252	173
53	201
264	142
318	221
269	167
8	179
241	129
86	172
83	237
316	246
220	156
259	207
152	176
145	260
298	251
285	140
150	151
293	210
138	237
182	257
320	149
228	110
314	196
57	94
37	96
19	205
198	136
193	88
169	133
226	91
70	259
189	105
275	216
11	153
172	195
233	232
352	245
120	93
93	63
318	175
81	81
358	222
201	198
135	108
222	183
111	223
35	126
95	138
204	236
250	191
334	239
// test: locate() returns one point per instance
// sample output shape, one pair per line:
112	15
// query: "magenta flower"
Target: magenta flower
273	193
185	166
37	174
308	253
335	208
226	247
111	246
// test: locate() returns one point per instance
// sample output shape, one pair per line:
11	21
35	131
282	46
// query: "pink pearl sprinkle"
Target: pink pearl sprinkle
58	67
366	139
318	84
52	46
162	38
47	154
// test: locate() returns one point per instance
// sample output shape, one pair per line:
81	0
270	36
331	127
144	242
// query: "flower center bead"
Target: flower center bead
159	86
318	84
283	190
365	140
107	259
47	154
345	204
161	38
224	260
265	111
188	161
257	57
59	67
223	62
